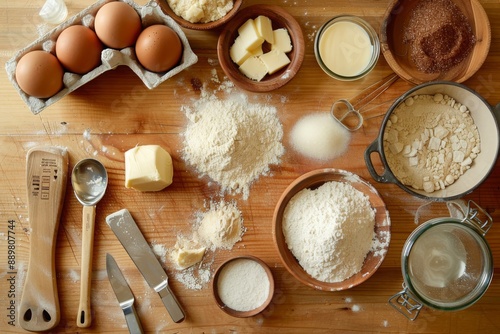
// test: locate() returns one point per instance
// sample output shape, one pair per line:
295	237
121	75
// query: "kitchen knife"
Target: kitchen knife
127	231
123	294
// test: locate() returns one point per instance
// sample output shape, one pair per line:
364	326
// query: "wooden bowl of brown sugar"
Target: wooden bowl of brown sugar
433	40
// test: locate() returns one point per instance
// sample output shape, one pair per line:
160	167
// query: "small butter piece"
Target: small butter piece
253	68
148	168
282	40
238	51
265	28
185	258
274	60
250	38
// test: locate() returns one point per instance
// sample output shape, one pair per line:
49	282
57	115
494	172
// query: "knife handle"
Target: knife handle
172	305
133	322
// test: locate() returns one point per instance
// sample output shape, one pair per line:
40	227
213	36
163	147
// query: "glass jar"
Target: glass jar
346	47
446	264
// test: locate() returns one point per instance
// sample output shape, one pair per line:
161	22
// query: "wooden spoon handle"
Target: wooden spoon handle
84	317
47	174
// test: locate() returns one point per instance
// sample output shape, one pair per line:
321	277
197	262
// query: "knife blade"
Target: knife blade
123	294
127	231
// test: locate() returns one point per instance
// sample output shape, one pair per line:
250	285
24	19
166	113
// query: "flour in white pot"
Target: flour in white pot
232	141
329	230
243	285
430	141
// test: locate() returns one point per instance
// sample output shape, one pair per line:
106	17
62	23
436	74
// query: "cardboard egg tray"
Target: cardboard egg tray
150	14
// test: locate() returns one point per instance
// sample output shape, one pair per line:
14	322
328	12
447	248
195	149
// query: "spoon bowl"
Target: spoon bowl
89	180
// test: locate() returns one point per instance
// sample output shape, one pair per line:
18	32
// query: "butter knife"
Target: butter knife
123	294
127	231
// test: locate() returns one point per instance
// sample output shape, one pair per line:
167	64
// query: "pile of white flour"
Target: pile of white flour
232	141
219	227
329	230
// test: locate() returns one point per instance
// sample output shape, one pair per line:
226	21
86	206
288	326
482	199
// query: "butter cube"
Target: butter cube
187	252
238	51
274	60
148	168
185	258
257	51
250	38
282	40
265	28
254	68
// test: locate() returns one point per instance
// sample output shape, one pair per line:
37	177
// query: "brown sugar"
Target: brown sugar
439	36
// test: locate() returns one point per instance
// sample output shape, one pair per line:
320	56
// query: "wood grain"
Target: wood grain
116	112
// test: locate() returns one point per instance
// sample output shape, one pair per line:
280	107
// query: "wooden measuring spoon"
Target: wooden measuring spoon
89	179
47	173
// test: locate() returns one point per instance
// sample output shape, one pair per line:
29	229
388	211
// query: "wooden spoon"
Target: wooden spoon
47	173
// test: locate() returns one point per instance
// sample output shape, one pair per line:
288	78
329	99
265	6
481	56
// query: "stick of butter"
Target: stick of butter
148	168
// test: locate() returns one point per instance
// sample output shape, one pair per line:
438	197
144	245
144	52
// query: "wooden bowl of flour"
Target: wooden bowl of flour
201	25
380	244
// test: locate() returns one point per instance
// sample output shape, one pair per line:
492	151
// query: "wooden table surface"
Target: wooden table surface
116	112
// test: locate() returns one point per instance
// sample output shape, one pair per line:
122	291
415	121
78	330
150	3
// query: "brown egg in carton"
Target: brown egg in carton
150	14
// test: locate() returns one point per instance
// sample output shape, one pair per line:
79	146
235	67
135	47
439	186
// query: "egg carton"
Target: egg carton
150	14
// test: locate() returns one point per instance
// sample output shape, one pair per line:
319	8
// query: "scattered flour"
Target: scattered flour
202	11
430	141
329	230
220	227
232	141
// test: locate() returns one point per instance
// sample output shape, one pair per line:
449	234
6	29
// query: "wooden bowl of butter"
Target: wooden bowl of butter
261	48
432	40
205	15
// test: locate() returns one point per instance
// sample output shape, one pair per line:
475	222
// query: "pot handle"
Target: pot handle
496	112
387	176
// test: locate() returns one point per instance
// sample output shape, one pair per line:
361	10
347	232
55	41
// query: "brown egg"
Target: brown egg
39	74
78	49
158	48
117	25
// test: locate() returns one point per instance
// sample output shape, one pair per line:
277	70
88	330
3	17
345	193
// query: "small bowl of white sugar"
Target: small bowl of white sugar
331	229
243	286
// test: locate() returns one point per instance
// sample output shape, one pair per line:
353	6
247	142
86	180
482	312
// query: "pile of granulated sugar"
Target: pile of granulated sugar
232	141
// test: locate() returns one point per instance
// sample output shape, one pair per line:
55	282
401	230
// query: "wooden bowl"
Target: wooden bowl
396	52
201	26
373	259
280	19
242	314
